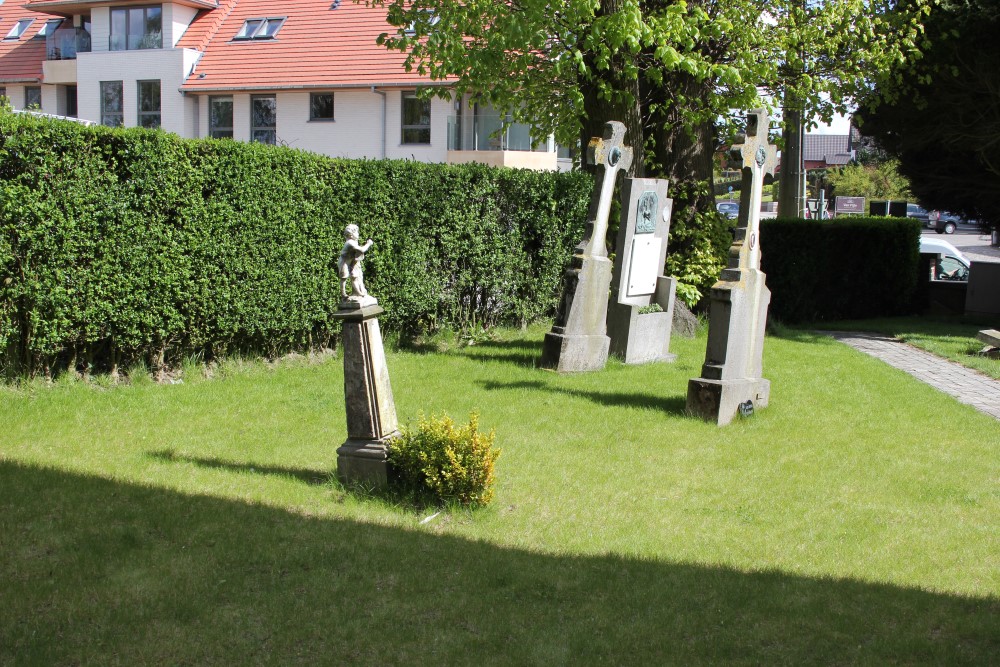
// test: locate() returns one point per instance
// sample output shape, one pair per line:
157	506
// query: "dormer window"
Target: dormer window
260	28
50	27
19	28
431	21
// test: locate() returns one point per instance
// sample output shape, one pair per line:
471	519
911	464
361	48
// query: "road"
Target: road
973	243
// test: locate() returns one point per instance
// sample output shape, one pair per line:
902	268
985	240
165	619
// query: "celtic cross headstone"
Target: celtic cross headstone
731	381
578	340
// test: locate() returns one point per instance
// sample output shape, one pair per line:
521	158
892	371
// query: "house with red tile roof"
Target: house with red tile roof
303	73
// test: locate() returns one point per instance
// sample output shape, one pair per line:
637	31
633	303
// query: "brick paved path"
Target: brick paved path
968	386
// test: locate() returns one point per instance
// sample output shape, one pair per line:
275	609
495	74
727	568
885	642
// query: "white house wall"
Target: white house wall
129	67
355	132
176	19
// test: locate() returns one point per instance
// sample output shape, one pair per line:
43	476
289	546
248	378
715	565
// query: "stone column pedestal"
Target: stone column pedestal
371	411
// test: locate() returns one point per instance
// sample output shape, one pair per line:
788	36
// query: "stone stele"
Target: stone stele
731	381
638	279
578	340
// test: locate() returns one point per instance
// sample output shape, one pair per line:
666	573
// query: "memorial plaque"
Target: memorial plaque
644	266
645	217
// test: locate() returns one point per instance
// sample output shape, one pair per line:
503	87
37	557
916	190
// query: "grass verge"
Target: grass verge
852	521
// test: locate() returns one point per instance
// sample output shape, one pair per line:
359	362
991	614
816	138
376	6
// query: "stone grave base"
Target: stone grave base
719	400
364	462
639	338
570	353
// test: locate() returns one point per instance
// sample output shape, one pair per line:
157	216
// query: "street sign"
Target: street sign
850	205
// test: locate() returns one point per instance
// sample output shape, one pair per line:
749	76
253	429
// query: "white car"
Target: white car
949	264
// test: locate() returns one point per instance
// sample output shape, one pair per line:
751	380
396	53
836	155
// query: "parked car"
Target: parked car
917	212
943	222
948	262
731	209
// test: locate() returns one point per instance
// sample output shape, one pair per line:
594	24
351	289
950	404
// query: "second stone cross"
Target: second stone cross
578	340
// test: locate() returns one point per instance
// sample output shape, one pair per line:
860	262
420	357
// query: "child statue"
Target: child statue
349	267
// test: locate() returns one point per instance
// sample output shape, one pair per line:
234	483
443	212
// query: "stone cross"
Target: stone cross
608	154
759	158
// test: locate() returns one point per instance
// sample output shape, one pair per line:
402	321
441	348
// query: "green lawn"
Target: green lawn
855	520
945	338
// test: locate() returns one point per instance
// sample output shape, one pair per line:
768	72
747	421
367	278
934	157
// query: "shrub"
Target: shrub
847	268
445	461
126	245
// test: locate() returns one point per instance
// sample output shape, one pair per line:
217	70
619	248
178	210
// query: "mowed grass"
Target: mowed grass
855	520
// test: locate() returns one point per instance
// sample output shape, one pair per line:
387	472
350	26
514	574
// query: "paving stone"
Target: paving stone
966	385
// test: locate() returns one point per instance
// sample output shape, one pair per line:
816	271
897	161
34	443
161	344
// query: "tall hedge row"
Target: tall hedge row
847	268
117	245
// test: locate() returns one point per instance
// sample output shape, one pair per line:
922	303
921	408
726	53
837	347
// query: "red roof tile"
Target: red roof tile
316	47
21	59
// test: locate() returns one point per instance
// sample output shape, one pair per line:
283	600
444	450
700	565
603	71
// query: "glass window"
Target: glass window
50	27
220	117
321	106
32	97
149	103
416	120
263	119
136	28
3	94
19	28
111	104
260	28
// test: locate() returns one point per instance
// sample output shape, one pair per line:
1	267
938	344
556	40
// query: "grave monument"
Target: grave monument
731	381
371	411
640	332
578	340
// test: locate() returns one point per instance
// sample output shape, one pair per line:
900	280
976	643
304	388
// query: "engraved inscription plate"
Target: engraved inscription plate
645	213
644	265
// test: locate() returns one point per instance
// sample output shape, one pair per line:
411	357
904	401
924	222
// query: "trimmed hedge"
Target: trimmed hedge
124	245
847	268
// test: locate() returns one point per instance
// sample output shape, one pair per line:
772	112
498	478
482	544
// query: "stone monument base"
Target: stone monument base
364	462
720	400
569	353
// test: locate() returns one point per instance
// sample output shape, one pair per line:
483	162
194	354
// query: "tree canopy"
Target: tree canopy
666	68
940	114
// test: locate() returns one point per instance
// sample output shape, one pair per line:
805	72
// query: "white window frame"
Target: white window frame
260	27
19	28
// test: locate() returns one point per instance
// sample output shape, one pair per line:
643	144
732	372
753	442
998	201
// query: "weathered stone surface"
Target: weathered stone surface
371	410
731	375
575	344
638	280
685	323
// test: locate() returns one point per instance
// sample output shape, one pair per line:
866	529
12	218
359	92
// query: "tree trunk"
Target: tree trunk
598	110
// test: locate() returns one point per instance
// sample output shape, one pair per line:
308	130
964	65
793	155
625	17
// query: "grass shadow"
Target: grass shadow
99	571
313	477
670	404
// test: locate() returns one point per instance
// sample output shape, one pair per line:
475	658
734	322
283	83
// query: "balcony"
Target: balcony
65	43
494	140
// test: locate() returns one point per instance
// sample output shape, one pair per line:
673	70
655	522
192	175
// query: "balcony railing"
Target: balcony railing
65	43
480	132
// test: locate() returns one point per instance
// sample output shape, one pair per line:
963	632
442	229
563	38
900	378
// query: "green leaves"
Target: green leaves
134	245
